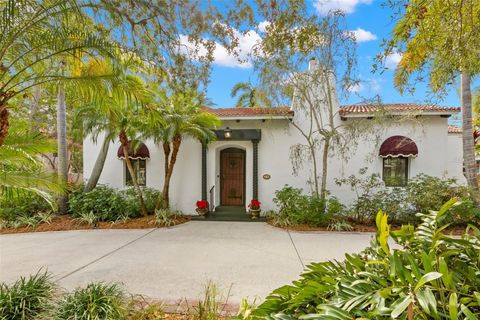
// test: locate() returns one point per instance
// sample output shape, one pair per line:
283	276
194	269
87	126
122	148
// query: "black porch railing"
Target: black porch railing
212	199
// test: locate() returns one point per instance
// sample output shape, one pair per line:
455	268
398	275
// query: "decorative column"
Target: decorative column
204	171
255	169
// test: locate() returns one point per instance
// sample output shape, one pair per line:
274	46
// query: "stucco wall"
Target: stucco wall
439	155
455	157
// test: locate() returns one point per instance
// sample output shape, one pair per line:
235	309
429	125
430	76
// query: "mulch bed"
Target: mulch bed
67	222
356	228
307	228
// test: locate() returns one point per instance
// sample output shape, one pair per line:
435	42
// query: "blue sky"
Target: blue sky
371	21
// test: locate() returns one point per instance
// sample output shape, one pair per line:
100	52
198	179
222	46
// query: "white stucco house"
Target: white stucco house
251	157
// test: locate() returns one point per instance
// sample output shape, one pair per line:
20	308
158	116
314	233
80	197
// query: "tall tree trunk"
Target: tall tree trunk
125	146
4	124
166	154
99	164
323	186
315	168
62	169
177	141
468	139
4	114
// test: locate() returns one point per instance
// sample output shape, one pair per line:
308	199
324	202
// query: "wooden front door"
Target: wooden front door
232	177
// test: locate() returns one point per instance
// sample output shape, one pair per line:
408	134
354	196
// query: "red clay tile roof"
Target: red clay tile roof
250	112
395	107
454	129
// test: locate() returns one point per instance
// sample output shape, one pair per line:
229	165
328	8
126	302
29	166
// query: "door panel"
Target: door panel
232	177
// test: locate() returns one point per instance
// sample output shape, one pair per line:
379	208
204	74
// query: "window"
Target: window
140	168
395	171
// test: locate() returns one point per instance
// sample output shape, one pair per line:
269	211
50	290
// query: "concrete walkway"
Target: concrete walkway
245	259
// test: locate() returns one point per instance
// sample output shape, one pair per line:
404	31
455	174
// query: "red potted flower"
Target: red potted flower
202	207
254	208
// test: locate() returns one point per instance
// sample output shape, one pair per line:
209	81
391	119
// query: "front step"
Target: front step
227	213
230	209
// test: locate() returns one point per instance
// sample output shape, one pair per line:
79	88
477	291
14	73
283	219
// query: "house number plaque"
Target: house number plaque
267	176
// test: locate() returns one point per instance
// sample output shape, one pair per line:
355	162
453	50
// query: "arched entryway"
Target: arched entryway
232	177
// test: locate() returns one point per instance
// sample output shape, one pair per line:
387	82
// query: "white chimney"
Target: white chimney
312	64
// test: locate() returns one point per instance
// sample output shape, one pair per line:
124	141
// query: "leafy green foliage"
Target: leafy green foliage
88	218
364	208
298	208
427	193
21	171
150	198
96	301
108	204
421	194
27	297
339	225
104	202
209	307
427	275
166	217
25	204
146	311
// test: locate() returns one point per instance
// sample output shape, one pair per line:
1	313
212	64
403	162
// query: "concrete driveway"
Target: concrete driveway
242	258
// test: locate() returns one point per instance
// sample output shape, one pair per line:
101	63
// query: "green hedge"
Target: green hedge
109	204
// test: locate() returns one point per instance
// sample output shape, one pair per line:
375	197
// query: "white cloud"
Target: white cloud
262	26
347	6
356	88
368	86
362	35
221	55
392	60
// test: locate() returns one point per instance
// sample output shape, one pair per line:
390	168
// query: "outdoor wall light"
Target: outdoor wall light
228	133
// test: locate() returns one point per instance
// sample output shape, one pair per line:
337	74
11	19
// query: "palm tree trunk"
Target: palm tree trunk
62	169
124	142
4	114
99	164
468	139
177	141
4	124
166	154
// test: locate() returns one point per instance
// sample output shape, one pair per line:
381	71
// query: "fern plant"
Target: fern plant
431	276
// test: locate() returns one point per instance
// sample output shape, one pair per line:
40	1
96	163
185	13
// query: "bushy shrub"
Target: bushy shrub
298	208
426	193
97	301
109	204
105	202
150	198
421	194
27	297
22	205
433	276
365	187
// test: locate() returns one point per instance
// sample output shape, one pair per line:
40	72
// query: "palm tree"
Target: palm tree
180	115
247	98
116	109
32	33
